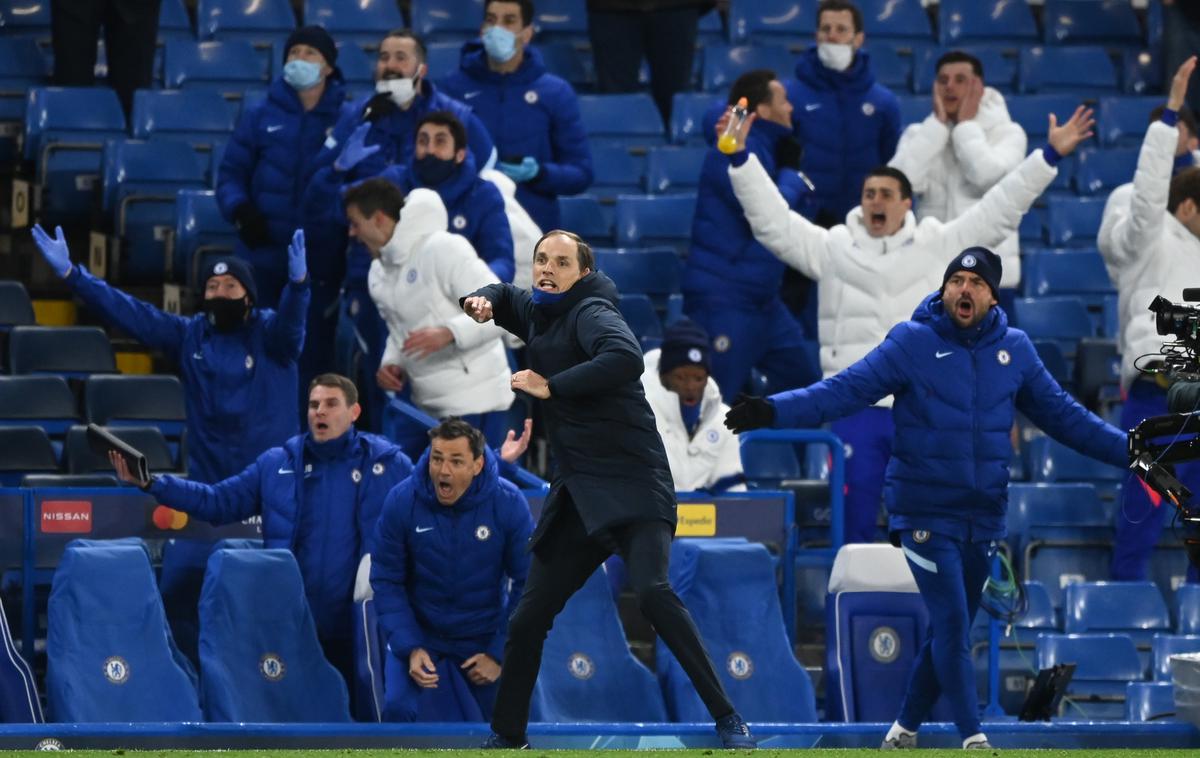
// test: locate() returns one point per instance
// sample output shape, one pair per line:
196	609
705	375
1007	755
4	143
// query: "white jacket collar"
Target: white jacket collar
880	245
666	401
422	215
993	111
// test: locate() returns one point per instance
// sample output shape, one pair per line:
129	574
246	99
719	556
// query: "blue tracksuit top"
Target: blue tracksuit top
320	501
439	571
269	161
955	396
475	209
725	260
848	124
529	113
239	388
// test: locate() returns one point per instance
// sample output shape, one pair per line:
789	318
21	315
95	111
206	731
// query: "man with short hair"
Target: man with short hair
958	375
237	360
450	537
319	495
532	114
871	271
966	145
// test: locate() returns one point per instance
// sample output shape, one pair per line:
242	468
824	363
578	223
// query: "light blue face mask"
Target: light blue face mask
302	75
500	43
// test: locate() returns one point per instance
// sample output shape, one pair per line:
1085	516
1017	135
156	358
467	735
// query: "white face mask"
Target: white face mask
401	91
835	56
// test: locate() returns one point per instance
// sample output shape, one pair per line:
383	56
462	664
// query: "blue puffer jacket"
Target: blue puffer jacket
438	571
239	388
956	391
269	162
273	487
725	261
529	113
848	124
475	208
396	135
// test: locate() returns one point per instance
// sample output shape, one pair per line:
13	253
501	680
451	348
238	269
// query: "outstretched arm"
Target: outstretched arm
510	307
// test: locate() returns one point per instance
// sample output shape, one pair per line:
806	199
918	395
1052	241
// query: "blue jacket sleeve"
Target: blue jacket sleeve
518	526
237	165
398	467
493	239
148	325
480	142
615	357
389	575
225	502
512	307
880	373
285	327
570	171
1058	414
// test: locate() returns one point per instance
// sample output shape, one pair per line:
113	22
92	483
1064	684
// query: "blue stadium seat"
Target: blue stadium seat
442	58
229	67
914	109
1031	111
758	21
586	217
1053	512
649	271
357	67
1064	320
1090	22
1136	609
1098	172
616	171
1032	228
130	400
647	221
588	673
27	449
628	120
1122	121
71	351
16	309
1052	461
1166	645
198	117
1052	357
1149	701
1016	674
260	660
1187	609
436	20
1077	70
44	401
1074	221
710	30
1068	272
565	60
968	22
107	630
65	130
999	70
767	464
892	70
642	318
1097	375
201	232
724	64
896	21
731	579
237	19
80	458
671	170
1142	71
1105	664
173	21
26	18
687	117
22	68
561	20
19	701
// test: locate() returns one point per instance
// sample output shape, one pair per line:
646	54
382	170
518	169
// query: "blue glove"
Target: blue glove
53	250
297	265
524	171
356	149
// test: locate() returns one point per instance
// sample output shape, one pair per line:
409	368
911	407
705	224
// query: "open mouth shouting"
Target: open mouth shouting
546	284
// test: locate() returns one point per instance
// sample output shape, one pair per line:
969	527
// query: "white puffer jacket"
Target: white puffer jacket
1147	250
866	285
712	454
951	166
525	231
416	282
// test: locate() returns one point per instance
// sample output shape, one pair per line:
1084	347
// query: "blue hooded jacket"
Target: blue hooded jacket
956	392
439	571
475	209
268	163
529	113
239	388
367	465
725	260
848	124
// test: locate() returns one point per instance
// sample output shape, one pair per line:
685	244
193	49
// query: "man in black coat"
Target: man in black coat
612	490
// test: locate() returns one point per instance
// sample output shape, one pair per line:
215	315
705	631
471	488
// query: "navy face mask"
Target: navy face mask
432	170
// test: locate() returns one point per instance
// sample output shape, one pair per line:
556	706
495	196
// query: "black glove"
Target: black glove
788	153
749	412
379	107
252	226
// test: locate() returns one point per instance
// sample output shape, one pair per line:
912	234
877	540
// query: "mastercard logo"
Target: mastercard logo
169	519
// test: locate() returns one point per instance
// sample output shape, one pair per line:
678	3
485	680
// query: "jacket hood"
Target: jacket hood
422	215
993	111
595	284
483	487
473	61
858	78
932	311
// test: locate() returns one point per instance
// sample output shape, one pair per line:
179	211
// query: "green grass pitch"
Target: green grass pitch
535	753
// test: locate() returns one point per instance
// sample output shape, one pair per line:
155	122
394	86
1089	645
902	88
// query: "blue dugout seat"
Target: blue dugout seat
764	21
358	68
616	171
442	59
1142	71
897	21
1016	672
1122	121
767	465
260	660
16	309
587	217
630	120
649	271
1090	22
44	401
30	18
109	651
229	67
969	22
650	221
1164	646
173	21
22	68
1098	172
1031	112
1105	664
125	400
999	69
1052	461
1187	609
568	62
201	233
19	701
238	19
892	70
674	170
363	21
201	118
1079	273
437	20
640	314
1077	70
27	449
70	351
688	110
1136	609
81	459
1074	221
1063	320
1097	376
588	673
560	20
724	583
723	64
1149	701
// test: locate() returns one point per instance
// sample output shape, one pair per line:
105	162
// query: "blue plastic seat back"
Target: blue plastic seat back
1142	71
672	170
1122	121
150	171
25	17
639	313
1078	70
16	309
899	21
565	60
19	701
260	659
444	19
173	21
198	117
649	271
1074	221
729	588
1166	645
201	233
766	464
27	449
723	64
1053	461
1187	609
648	220
121	400
1149	701
617	171
588	673
44	401
1001	21
66	350
1070	272
1030	111
1053	511
108	648
772	20
631	120
1101	171
892	70
228	66
149	440
687	117
584	215
358	68
1104	663
914	109
222	18
1133	608
1057	318
1075	22
1041	614
21	68
562	19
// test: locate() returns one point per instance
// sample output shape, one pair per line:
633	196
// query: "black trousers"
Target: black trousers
130	30
561	564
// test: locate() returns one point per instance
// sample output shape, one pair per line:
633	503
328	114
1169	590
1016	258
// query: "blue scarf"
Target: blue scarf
691	416
1187	160
541	297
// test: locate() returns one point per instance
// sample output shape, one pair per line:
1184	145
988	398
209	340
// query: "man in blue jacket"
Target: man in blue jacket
319	495
847	122
450	540
958	373
533	115
237	361
730	281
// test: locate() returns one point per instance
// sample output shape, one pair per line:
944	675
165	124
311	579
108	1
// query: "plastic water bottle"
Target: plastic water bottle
727	143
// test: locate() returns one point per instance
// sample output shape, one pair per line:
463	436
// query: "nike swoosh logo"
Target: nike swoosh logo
423	529
275	128
283	470
812	106
940	354
469	95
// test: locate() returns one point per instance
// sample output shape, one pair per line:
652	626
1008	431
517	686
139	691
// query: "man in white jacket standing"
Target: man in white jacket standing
455	366
874	270
689	413
966	145
1153	249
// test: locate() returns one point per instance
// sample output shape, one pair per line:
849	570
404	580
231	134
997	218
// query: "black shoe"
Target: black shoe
496	742
734	733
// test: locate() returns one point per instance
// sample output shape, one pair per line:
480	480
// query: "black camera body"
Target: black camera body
1182	321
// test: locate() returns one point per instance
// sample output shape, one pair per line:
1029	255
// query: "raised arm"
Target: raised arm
285	327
